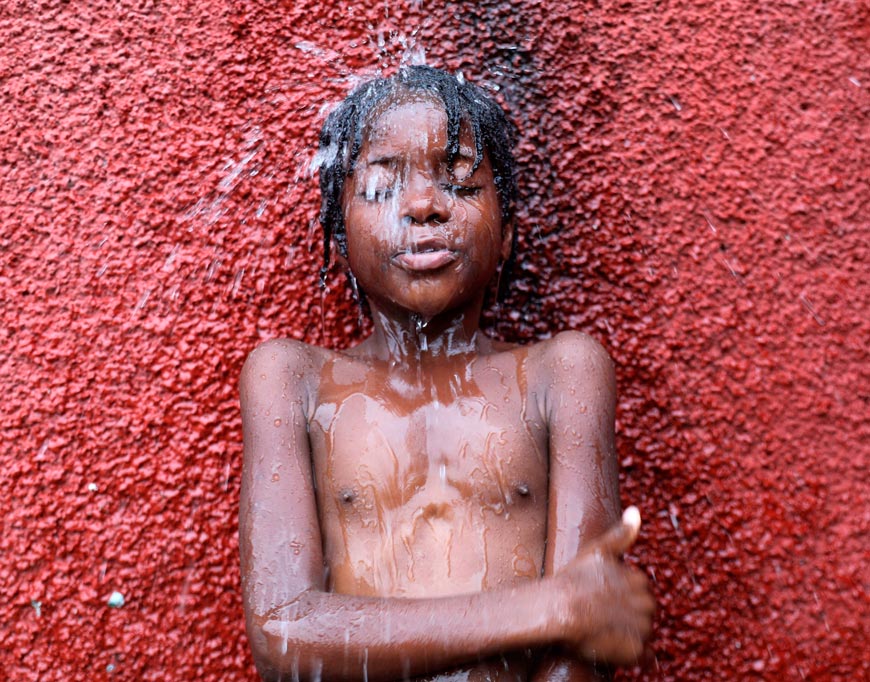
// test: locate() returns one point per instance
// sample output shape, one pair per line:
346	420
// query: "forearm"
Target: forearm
342	637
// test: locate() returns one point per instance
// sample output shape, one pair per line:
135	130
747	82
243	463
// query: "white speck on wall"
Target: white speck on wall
116	600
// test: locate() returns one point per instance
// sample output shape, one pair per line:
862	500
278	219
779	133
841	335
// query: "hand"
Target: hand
608	610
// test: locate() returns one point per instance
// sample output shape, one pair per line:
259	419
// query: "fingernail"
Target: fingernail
631	517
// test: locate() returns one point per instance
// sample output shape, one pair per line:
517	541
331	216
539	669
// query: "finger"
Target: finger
637	580
647	605
620	537
631	518
628	653
644	626
616	648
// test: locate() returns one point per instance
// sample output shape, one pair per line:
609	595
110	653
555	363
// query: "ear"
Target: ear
337	253
507	239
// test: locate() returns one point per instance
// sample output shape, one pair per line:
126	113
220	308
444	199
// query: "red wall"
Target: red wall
695	196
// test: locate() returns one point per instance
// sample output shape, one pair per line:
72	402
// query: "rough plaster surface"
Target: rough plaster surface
695	195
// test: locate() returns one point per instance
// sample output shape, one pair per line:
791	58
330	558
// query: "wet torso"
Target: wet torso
432	482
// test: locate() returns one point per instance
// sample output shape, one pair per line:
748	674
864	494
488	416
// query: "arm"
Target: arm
297	628
584	492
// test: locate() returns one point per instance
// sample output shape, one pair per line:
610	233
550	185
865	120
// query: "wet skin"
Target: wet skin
402	499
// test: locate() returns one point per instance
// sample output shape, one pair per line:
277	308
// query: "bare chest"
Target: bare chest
484	444
442	492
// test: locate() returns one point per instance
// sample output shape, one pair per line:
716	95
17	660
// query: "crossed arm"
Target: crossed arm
587	602
581	424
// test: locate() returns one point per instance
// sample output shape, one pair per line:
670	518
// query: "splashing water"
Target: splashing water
420	324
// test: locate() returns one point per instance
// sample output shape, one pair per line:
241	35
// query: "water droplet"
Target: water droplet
277	422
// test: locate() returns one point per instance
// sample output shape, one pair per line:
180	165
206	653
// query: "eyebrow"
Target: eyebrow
383	161
464	154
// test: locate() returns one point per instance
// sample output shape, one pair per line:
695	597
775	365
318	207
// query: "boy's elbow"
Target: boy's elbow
278	655
273	653
264	661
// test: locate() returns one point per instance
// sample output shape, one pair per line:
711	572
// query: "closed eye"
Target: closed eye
463	190
377	195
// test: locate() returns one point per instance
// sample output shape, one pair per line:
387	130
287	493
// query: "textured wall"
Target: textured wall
695	195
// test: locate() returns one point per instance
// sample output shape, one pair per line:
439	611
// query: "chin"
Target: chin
425	309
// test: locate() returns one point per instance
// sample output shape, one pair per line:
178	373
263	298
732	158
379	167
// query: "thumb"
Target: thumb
621	536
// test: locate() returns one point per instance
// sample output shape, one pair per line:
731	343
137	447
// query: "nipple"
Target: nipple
436	510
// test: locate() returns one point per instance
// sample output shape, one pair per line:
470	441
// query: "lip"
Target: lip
425	255
424	261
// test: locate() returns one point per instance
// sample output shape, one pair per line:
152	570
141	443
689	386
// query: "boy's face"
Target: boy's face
420	238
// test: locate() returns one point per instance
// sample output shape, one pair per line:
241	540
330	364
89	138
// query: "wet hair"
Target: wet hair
342	137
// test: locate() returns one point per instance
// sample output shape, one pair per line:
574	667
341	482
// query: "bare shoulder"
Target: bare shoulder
575	362
280	364
570	350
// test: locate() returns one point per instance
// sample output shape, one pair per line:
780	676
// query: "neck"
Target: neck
409	339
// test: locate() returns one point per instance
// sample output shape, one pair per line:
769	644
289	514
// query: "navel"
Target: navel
347	495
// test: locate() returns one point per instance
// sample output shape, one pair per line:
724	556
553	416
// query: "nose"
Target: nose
424	201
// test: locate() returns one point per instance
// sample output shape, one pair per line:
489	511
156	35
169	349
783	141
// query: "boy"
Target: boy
401	500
